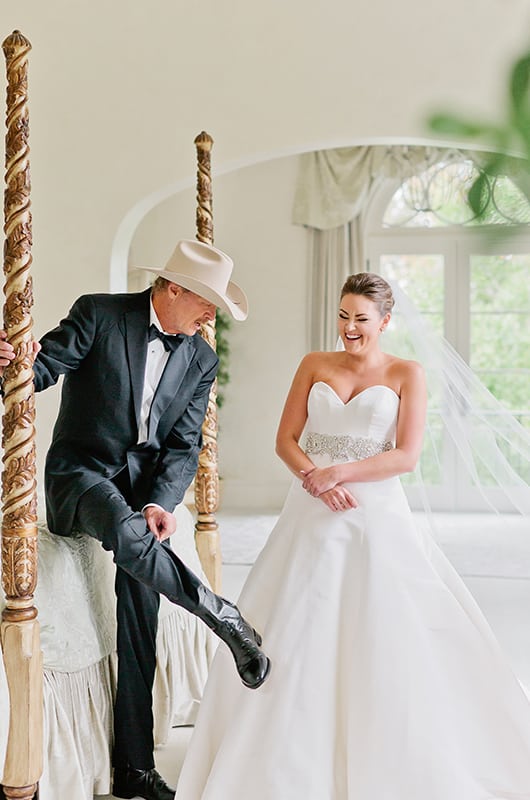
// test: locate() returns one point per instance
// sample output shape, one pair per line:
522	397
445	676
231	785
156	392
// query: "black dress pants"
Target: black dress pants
145	568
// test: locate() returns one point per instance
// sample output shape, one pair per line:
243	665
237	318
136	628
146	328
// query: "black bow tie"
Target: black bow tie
170	342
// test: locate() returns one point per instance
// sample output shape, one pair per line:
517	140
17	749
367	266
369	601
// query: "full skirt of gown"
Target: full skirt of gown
386	680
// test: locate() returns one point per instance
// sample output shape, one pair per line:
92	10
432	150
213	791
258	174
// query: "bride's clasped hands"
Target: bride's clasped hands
323	482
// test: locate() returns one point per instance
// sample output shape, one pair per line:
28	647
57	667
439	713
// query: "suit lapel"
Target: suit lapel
136	325
172	377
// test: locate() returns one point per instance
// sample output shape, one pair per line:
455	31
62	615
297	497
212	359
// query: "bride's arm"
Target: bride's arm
294	417
399	460
290	429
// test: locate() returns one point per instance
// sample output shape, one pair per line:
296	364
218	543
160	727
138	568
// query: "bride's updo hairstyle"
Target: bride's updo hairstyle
372	286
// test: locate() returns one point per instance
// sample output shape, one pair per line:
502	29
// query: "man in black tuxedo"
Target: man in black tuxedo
124	450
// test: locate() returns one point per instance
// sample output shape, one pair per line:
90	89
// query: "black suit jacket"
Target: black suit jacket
101	348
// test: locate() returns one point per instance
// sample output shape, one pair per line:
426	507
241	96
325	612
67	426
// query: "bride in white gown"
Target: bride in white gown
386	681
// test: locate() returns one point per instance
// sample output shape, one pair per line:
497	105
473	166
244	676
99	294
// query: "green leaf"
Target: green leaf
520	99
520	85
479	194
453	126
223	323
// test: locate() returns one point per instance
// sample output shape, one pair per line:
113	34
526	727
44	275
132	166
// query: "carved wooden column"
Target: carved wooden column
207	477
19	630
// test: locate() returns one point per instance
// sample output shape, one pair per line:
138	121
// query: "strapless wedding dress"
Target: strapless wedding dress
386	682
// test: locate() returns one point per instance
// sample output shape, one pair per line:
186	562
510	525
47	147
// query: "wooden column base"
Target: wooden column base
23	665
19	793
208	543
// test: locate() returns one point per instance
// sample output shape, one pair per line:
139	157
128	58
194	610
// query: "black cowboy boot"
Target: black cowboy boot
225	620
145	783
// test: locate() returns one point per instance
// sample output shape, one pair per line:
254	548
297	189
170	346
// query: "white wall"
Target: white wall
119	90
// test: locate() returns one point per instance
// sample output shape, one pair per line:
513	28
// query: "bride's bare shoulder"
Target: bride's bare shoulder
403	370
315	366
318	359
403	364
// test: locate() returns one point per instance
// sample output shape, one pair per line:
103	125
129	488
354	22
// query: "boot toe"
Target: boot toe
255	671
143	783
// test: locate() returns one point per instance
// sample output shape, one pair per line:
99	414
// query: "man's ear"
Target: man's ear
174	290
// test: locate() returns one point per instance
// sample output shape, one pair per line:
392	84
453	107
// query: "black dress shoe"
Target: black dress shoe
146	783
225	620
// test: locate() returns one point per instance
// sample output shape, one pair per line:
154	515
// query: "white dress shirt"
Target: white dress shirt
156	360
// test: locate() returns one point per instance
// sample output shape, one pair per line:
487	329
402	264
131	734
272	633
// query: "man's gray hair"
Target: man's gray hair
160	284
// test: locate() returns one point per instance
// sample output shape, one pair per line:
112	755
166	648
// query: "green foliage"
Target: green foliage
450	125
499	326
499	317
512	136
222	325
500	339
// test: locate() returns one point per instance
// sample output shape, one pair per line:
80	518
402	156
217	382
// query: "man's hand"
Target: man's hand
161	523
7	352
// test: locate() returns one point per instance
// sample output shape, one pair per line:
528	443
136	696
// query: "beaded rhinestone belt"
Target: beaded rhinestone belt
344	448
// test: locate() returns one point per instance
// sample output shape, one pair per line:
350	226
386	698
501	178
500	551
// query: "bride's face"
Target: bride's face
360	323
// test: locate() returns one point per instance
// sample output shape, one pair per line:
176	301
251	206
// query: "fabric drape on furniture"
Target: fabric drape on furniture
333	190
76	602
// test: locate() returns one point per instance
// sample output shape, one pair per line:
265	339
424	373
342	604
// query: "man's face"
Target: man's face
182	311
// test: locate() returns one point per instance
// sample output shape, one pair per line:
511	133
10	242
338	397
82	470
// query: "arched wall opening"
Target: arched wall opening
252	205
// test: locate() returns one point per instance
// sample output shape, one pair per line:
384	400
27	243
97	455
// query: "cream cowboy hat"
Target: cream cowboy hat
205	270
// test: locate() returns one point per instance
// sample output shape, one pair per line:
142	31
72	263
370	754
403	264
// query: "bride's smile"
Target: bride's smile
360	323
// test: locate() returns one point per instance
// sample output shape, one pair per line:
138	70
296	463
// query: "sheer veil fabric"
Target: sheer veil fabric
492	445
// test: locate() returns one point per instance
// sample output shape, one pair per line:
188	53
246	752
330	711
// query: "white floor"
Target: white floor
492	554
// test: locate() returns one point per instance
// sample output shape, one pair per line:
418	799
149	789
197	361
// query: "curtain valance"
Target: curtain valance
334	185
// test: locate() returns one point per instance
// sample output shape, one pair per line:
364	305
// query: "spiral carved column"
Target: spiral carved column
19	630
207	477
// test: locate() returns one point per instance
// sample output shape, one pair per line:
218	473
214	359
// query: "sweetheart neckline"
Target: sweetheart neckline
355	396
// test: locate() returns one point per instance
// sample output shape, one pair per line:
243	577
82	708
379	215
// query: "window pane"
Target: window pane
488	316
430	468
500	326
438	196
500	340
510	388
500	283
504	442
421	277
509	203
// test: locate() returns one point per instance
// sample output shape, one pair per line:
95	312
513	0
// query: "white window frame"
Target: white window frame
456	244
